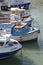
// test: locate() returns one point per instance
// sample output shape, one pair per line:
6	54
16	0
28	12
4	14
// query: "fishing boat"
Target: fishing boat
14	3
8	46
20	15
22	32
24	4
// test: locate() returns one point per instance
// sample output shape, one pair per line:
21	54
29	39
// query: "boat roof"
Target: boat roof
13	40
14	9
22	25
21	9
4	37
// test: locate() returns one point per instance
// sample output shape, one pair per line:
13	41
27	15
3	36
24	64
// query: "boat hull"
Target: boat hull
7	54
30	36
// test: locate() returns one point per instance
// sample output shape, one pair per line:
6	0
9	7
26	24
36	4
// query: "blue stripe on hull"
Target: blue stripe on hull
3	55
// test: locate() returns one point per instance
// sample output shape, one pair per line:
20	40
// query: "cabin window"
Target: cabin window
16	17
14	42
10	44
21	13
1	43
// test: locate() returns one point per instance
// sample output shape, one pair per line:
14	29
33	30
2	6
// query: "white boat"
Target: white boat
8	46
18	14
22	32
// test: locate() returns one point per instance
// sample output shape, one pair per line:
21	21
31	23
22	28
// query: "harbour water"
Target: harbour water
32	52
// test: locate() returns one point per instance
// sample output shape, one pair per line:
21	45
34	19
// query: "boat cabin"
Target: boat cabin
22	12
20	29
18	14
4	39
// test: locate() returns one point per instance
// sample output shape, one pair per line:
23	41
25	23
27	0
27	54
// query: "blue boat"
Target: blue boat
22	32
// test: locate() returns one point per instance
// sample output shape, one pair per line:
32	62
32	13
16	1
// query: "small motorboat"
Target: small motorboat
22	32
8	46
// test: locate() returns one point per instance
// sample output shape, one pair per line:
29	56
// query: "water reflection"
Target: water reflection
31	45
10	61
17	61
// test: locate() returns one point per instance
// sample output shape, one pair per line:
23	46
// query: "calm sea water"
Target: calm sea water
32	52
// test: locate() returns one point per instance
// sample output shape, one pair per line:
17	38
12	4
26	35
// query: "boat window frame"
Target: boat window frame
12	43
